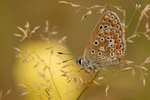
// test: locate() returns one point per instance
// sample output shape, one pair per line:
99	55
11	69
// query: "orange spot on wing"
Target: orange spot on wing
118	54
115	37
110	20
100	34
105	18
106	33
116	41
113	24
118	47
111	33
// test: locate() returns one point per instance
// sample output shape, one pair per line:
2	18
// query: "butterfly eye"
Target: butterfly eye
96	42
118	26
80	61
93	51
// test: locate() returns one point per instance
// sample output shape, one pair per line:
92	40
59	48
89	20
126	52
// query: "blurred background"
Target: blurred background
16	13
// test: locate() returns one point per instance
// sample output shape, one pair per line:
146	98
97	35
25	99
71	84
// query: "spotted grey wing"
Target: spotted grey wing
106	45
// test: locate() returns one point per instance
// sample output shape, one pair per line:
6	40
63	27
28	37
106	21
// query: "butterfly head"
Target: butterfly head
84	65
80	61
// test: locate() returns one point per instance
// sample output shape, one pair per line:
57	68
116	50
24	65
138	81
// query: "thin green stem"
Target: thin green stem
132	17
87	86
49	68
137	15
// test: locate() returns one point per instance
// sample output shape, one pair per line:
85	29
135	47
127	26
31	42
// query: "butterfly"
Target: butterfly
106	45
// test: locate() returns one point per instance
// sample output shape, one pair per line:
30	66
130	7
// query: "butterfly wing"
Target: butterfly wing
106	45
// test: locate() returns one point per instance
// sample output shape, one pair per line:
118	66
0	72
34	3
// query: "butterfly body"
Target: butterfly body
106	46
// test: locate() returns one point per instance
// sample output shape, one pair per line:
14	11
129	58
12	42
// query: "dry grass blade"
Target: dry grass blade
100	78
96	6
128	62
38	87
133	73
18	35
147	27
131	37
65	66
25	93
21	29
27	26
69	81
36	65
101	10
126	69
41	75
1	93
144	68
81	80
96	82
75	80
22	85
64	75
72	4
87	14
8	92
147	60
144	82
107	88
146	9
64	61
63	39
37	27
18	50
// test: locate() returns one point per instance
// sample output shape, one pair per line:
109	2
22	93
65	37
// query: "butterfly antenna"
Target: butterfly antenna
64	61
61	53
